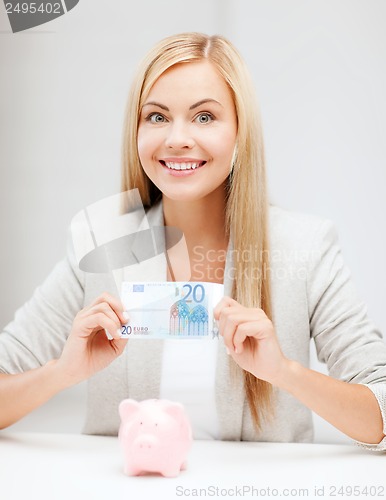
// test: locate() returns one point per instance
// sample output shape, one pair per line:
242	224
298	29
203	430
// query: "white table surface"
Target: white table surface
67	466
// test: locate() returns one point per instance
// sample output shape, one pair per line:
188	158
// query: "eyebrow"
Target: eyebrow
193	106
204	101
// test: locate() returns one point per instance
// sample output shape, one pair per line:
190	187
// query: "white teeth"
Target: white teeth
181	166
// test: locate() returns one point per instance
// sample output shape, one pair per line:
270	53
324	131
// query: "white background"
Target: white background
319	69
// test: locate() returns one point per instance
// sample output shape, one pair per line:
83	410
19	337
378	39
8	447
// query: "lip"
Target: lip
182	173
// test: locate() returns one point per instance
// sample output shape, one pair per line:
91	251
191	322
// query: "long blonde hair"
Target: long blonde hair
247	203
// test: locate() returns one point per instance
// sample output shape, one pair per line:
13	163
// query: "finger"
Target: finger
110	305
100	320
115	304
112	337
224	302
259	329
228	322
243	331
105	309
119	344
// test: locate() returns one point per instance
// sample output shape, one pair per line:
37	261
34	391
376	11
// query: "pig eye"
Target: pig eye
156	425
140	423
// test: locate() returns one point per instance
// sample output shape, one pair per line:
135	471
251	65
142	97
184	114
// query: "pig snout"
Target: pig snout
145	442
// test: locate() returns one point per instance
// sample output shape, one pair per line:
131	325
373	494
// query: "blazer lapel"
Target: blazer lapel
230	394
144	357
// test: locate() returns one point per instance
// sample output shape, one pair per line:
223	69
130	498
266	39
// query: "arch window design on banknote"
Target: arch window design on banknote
187	321
179	318
199	321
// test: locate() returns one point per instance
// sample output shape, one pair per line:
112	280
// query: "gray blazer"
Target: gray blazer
313	297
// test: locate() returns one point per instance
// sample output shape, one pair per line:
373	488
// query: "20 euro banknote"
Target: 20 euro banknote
166	309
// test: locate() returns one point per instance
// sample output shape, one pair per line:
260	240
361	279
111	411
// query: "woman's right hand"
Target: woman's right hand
87	349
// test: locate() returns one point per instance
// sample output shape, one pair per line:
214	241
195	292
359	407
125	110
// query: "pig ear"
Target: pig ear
176	410
127	408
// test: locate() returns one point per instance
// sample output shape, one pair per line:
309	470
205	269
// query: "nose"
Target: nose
179	136
145	443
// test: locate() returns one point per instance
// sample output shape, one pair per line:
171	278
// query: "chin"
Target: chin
183	196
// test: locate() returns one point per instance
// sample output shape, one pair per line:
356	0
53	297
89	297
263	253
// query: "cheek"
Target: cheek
143	145
222	145
147	143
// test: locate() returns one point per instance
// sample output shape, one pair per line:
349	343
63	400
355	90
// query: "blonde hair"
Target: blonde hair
247	203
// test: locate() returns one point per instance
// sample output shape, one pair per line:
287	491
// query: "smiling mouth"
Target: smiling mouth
172	165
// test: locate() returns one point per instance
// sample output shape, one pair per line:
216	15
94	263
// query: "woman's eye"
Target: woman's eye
204	118
156	118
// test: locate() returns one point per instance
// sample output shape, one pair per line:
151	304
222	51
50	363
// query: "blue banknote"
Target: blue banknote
179	310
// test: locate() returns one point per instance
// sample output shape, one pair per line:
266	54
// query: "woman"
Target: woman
193	147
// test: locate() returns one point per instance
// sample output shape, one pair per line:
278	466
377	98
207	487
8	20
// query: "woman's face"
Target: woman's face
187	131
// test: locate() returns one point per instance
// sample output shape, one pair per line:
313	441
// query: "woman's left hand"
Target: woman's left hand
250	338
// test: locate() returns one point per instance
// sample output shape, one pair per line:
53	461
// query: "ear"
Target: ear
127	408
176	410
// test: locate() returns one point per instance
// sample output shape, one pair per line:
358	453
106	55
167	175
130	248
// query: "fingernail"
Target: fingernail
108	335
227	350
126	316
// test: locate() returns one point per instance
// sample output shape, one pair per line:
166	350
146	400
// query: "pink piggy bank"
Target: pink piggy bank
155	435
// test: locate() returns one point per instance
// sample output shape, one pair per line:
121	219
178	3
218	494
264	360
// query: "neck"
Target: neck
201	221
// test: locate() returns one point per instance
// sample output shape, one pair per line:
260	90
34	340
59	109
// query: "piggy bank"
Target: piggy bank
155	436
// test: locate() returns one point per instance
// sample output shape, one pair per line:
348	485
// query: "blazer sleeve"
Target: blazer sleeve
345	338
41	326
